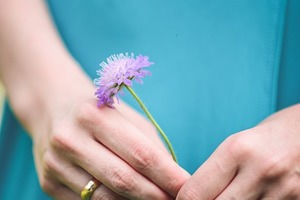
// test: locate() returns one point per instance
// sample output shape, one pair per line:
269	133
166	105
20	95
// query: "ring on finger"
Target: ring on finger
89	189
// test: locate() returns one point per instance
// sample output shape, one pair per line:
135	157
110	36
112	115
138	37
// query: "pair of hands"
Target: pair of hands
122	150
74	143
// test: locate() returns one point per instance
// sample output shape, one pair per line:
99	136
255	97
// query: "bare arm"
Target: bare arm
35	68
53	99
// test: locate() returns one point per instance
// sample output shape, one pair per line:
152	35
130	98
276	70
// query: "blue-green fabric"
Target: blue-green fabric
220	67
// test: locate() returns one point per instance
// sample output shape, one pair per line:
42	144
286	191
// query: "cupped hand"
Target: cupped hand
118	147
260	163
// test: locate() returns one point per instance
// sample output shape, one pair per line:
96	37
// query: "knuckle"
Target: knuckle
61	141
47	186
239	146
85	113
175	183
143	158
188	194
122	181
274	169
49	165
89	118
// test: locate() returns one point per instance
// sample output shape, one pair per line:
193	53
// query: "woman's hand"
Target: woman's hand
74	140
259	163
116	146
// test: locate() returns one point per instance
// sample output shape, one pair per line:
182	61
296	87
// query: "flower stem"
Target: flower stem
153	122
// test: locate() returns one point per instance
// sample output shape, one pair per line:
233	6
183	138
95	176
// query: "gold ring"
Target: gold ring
89	189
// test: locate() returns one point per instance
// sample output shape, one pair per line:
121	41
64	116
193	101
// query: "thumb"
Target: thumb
212	177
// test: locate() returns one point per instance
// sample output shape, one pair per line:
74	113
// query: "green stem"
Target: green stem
154	122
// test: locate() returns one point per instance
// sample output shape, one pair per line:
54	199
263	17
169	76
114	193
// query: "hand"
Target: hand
74	140
259	163
116	146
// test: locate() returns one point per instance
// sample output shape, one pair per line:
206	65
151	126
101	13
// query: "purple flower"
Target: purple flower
119	70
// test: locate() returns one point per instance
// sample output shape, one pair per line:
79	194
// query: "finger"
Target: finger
212	177
57	190
245	185
76	179
285	188
64	193
103	192
142	124
68	175
142	154
116	174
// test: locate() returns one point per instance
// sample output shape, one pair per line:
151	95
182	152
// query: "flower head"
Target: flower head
119	70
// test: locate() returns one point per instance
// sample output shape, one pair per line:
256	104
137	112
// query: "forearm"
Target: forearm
37	71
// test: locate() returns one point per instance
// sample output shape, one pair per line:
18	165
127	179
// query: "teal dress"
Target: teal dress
220	67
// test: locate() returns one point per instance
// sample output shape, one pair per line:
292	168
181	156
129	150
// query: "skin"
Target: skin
73	139
260	163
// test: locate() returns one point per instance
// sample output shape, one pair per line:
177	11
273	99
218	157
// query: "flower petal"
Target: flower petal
118	70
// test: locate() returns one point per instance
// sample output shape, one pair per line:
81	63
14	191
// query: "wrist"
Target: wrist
45	95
